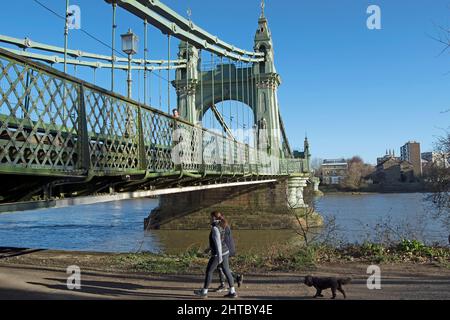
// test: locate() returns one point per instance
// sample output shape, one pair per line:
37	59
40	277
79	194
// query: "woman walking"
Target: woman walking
219	255
237	277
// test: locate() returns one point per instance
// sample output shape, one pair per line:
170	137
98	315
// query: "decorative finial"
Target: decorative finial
189	13
263	5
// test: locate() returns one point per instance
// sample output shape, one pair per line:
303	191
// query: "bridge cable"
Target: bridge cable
250	99
229	89
243	96
241	102
145	60
243	107
66	34
258	83
139	85
187	75
213	75
249	128
168	73
248	102
257	102
81	29
150	87
223	114
113	43
211	115
160	90
237	96
252	84
221	89
250	117
201	83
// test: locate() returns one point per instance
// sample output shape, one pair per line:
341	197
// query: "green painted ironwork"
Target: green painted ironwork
52	124
170	23
29	44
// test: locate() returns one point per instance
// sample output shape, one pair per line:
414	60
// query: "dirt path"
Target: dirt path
398	282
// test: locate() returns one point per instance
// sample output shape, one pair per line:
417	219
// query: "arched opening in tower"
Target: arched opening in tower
238	117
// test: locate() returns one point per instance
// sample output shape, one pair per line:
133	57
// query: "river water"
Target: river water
404	215
118	226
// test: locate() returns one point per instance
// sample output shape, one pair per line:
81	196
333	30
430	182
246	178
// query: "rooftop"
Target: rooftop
331	161
334	162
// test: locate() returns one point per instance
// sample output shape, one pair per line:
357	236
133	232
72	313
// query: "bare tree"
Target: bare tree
312	228
443	37
357	172
439	179
316	164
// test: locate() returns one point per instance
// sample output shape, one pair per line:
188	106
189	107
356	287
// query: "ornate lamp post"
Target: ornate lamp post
129	46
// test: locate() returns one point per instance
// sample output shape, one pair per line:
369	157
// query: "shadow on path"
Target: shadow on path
7	252
111	289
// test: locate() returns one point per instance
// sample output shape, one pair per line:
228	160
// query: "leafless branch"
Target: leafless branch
308	228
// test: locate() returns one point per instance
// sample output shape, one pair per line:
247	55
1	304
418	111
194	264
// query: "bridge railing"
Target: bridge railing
55	124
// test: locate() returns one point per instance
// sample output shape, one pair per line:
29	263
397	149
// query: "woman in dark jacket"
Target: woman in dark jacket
219	255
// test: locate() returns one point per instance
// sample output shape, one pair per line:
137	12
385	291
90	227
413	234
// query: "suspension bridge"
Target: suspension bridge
64	138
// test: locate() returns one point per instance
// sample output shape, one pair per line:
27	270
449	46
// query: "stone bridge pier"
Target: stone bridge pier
296	186
262	206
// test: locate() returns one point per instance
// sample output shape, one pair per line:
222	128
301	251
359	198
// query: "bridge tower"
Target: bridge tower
187	82
266	87
256	86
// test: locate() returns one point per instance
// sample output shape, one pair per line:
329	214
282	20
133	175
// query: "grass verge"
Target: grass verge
288	259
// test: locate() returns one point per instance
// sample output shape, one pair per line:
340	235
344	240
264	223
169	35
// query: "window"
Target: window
262	65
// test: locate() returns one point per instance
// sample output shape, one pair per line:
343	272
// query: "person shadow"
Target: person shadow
9	252
107	289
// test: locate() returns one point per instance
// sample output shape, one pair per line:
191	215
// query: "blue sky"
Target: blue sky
353	90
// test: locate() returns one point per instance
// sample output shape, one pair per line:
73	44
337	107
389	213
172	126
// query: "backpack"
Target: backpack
228	239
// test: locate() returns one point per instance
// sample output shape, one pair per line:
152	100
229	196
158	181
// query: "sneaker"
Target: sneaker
200	293
231	295
239	280
221	288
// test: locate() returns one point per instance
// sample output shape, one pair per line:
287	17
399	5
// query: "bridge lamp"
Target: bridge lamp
129	47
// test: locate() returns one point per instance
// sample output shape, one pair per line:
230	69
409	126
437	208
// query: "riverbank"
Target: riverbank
275	259
378	188
29	274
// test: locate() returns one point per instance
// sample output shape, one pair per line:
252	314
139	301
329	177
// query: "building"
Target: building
333	171
411	152
393	171
439	159
306	154
390	154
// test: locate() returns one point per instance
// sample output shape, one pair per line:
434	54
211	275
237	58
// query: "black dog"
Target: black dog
327	283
